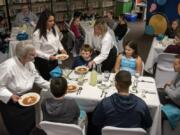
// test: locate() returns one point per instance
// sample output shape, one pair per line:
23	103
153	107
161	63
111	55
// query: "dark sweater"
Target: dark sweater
64	110
120	31
122	111
79	61
173	49
170	32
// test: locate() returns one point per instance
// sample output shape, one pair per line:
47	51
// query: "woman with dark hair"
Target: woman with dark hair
129	60
121	28
47	43
78	32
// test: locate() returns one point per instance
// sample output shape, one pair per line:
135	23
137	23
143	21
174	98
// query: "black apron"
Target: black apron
17	119
108	64
45	66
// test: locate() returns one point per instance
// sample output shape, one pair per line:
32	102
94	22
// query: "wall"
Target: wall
169	9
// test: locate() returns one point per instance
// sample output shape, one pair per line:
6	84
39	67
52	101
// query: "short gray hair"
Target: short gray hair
23	47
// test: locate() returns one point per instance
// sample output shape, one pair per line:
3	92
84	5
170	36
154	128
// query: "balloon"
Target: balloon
161	2
149	30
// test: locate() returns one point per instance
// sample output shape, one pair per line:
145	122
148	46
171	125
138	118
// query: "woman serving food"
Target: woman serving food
18	74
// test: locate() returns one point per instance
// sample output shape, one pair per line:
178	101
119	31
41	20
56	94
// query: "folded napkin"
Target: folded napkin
173	114
56	72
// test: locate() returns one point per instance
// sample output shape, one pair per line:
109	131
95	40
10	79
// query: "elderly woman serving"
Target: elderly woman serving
17	76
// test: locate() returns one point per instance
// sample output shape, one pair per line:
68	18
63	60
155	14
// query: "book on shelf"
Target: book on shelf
2	2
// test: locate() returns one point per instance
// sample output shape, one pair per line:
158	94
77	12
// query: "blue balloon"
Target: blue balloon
149	30
161	2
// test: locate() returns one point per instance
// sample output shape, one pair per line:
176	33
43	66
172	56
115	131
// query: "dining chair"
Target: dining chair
165	69
54	128
120	42
142	72
109	130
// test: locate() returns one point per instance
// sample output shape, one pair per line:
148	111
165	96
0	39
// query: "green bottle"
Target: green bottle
93	77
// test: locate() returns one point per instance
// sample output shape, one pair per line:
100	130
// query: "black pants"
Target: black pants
17	119
109	63
45	66
164	99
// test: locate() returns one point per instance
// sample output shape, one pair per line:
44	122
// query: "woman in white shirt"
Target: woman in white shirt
106	50
47	43
17	76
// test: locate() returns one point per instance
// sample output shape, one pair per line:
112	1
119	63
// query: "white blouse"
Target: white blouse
106	45
16	78
46	47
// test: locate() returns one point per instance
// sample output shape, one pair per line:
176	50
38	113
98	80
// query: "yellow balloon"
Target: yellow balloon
159	23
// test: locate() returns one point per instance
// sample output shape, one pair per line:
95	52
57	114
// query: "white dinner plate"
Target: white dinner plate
62	56
29	99
81	69
72	87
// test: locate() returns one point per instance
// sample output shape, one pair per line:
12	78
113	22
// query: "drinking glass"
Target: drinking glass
99	75
143	93
135	82
106	75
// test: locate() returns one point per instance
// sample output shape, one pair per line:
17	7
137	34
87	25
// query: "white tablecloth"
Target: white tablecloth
90	96
156	49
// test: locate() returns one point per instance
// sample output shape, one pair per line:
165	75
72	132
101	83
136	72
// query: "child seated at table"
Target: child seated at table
129	60
59	109
85	56
171	30
174	48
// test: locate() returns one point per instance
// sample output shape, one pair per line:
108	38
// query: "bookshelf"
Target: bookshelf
63	9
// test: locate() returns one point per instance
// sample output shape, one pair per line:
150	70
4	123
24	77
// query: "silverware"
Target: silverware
79	91
105	94
150	92
69	74
146	81
102	93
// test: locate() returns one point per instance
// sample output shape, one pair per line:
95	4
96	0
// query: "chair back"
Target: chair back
120	42
109	130
165	69
67	26
142	72
54	128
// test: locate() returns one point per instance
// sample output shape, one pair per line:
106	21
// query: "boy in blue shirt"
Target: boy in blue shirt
85	56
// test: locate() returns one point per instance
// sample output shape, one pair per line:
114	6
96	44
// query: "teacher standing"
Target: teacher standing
47	43
17	76
106	51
